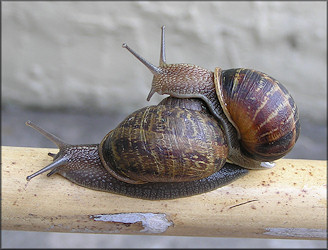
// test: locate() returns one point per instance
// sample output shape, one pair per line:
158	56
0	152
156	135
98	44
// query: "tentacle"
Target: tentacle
60	143
162	57
155	70
59	158
52	166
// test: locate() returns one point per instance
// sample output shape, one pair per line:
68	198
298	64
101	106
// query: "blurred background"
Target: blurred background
63	67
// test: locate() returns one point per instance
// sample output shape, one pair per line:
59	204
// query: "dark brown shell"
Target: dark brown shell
261	109
174	141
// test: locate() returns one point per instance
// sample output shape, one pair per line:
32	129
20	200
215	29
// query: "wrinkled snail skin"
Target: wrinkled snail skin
144	157
259	116
94	176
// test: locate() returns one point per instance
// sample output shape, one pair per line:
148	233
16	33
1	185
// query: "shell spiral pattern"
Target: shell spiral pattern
167	144
262	110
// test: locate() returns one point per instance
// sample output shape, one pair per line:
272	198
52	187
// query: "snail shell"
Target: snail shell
174	141
261	109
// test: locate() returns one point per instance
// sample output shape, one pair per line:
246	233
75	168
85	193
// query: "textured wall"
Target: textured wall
69	54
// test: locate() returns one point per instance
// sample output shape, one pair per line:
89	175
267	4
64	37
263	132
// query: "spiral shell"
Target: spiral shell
175	141
261	109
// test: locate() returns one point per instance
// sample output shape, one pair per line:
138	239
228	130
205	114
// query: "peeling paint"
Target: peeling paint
152	223
297	232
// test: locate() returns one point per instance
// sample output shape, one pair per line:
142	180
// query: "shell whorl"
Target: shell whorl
261	109
165	143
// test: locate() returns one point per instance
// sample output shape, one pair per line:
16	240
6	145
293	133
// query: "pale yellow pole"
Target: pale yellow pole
288	201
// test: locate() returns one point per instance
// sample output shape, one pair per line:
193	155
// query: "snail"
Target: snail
259	116
166	151
209	132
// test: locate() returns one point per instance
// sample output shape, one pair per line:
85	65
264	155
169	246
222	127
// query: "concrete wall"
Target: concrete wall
69	54
63	65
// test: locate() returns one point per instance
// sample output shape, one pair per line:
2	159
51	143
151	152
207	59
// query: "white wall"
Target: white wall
69	54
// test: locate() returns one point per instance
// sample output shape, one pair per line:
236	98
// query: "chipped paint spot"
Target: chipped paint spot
297	232
152	223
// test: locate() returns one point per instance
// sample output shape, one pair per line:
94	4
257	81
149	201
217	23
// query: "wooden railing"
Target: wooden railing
288	201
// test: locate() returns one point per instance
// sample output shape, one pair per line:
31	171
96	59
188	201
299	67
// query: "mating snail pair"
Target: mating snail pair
209	132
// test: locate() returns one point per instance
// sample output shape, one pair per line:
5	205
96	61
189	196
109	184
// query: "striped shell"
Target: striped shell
175	141
262	111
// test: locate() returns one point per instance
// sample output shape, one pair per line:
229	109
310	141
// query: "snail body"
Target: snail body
171	150
259	116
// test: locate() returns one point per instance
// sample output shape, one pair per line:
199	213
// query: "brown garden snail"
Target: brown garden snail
171	150
177	148
259	116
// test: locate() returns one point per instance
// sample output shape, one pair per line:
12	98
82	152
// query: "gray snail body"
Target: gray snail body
259	116
171	150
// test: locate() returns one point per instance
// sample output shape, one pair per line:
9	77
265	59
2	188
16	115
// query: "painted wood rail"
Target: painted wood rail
288	201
